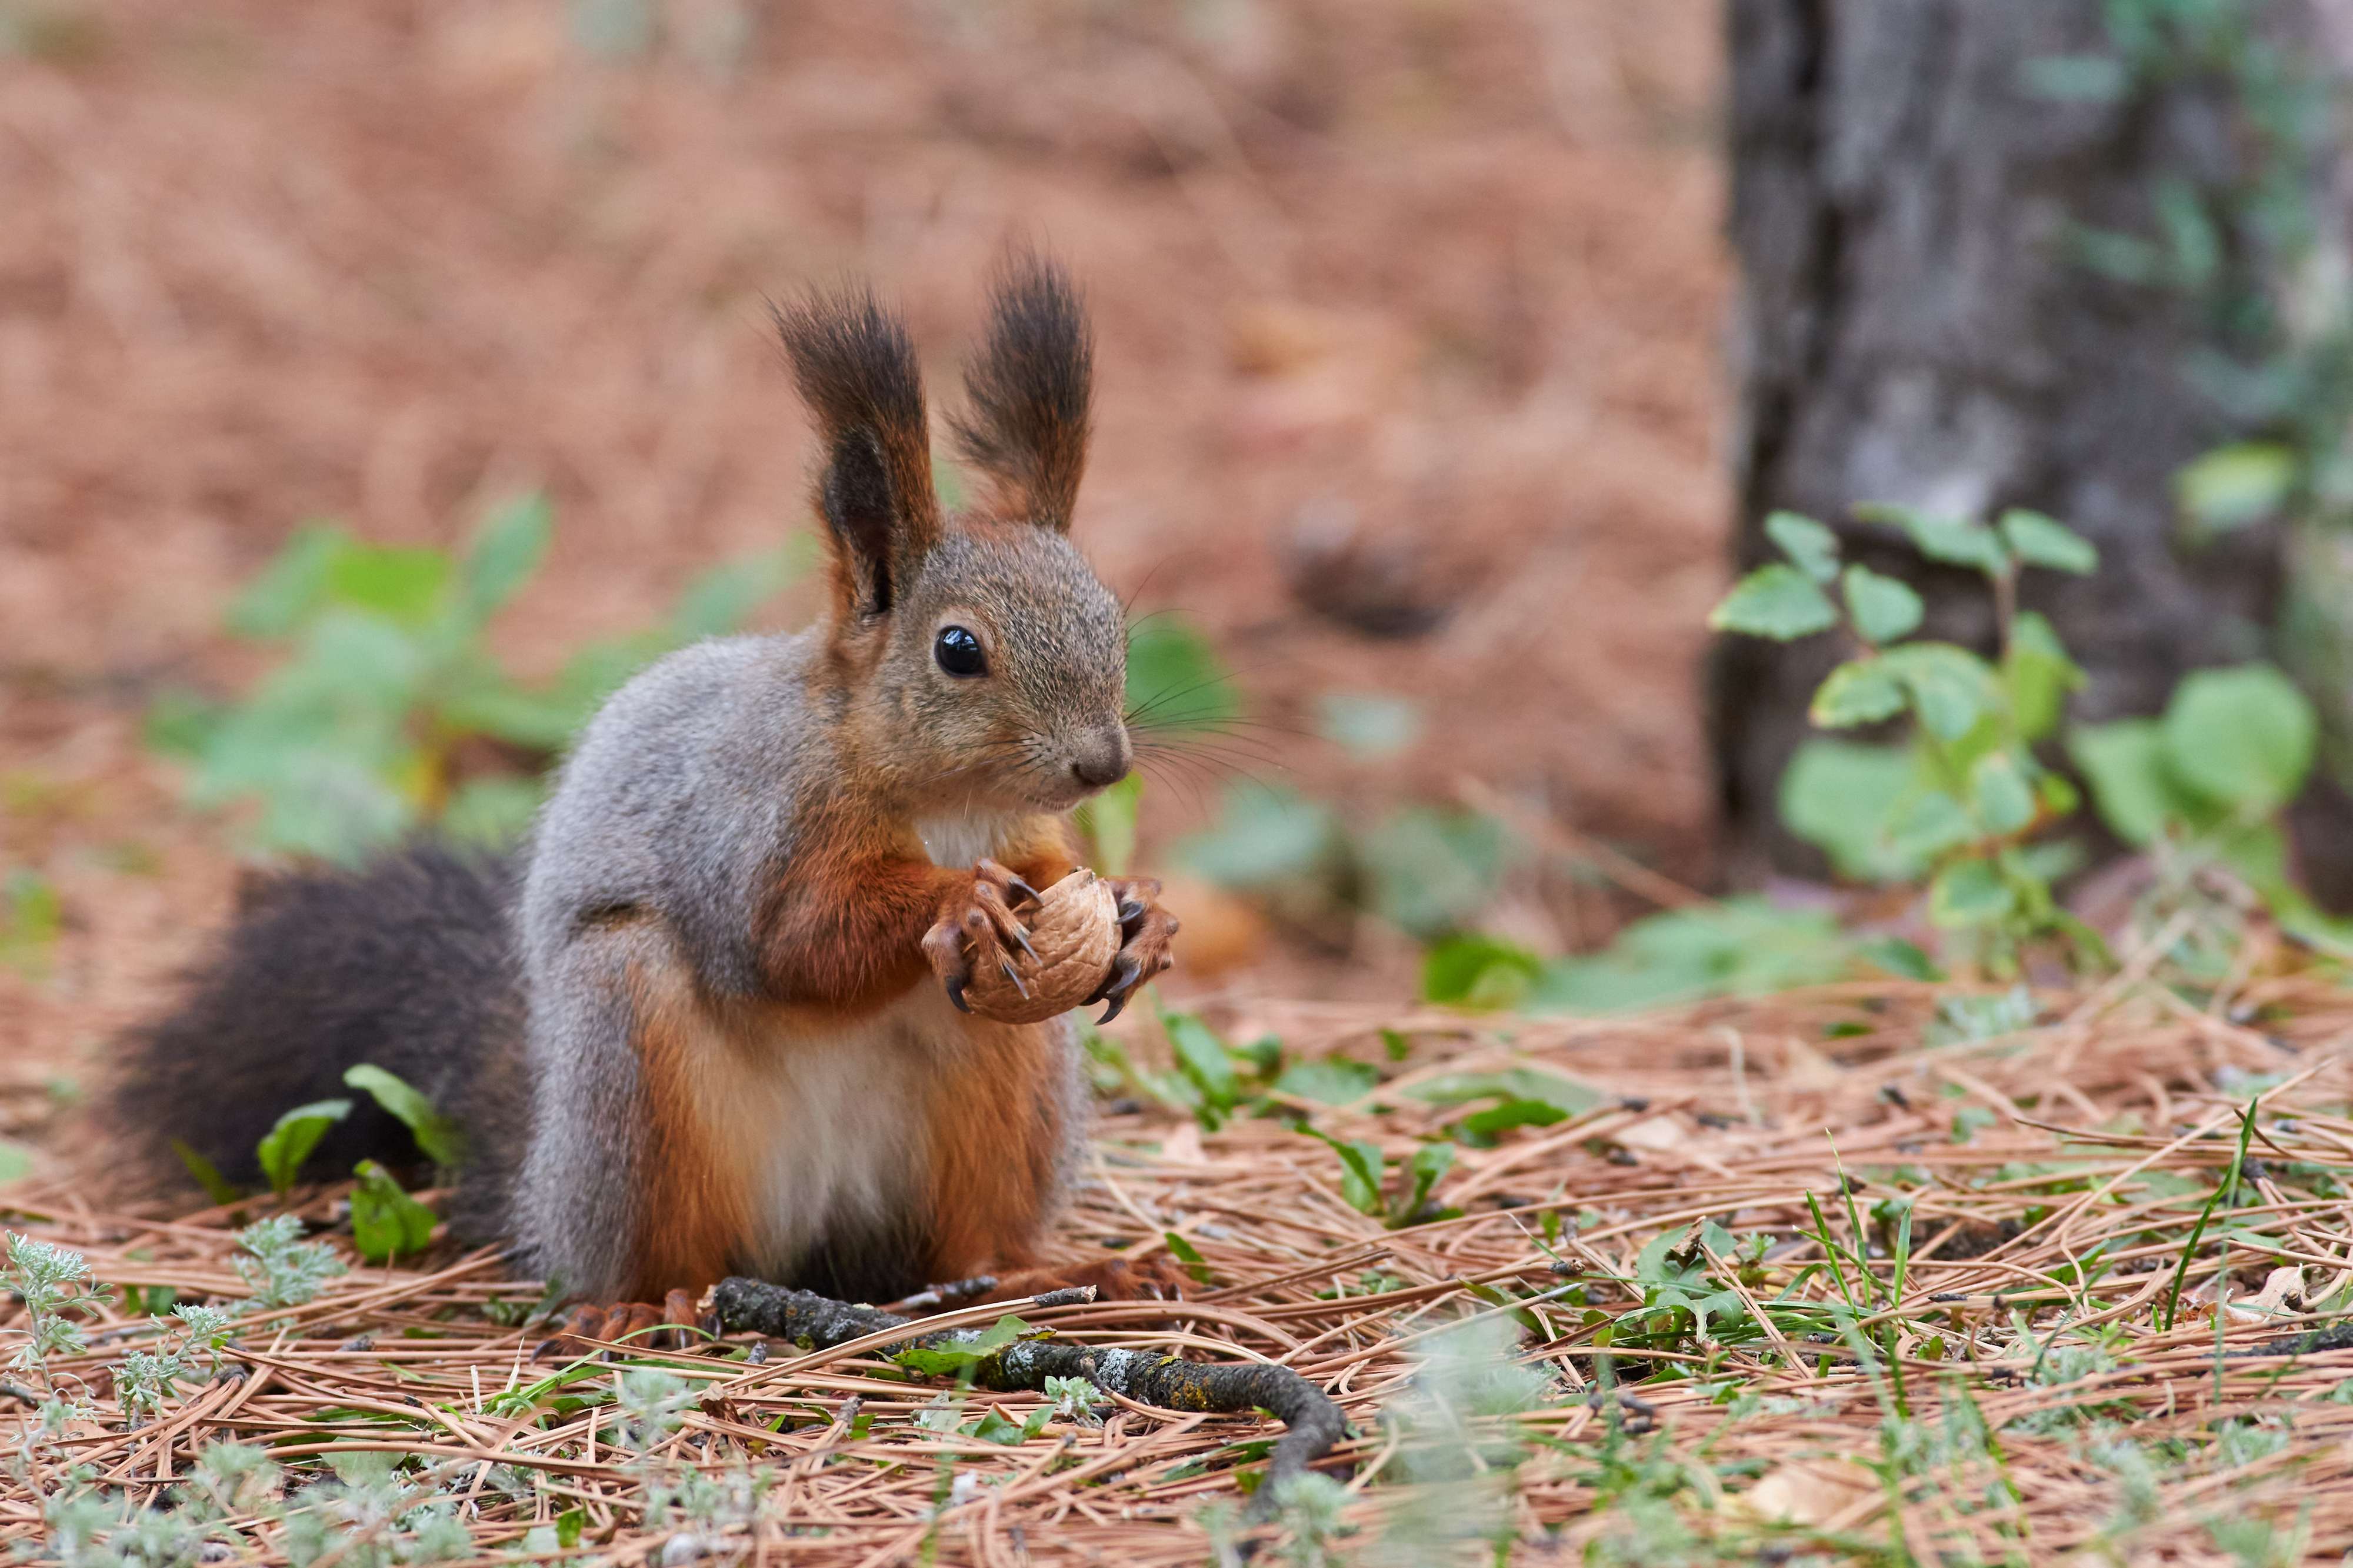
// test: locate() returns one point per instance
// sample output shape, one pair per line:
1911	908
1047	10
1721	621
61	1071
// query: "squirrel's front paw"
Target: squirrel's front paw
1145	930
976	926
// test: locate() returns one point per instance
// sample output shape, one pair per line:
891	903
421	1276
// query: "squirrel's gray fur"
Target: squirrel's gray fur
506	990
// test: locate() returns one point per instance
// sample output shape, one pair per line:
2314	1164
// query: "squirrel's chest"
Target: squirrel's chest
826	1133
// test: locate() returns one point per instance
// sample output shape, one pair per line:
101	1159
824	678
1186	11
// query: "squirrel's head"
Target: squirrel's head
978	661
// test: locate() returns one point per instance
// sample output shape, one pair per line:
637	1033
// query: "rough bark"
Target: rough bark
1315	1422
1917	326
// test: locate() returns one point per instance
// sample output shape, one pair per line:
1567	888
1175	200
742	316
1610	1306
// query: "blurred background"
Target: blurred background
381	382
1408	395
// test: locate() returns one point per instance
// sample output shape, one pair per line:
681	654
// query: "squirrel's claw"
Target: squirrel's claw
1144	930
1016	884
954	984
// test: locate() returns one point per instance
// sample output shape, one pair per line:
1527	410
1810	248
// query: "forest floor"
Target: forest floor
1884	1275
1411	323
1409	372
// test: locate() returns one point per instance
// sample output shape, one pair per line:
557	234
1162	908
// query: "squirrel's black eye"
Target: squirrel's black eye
958	652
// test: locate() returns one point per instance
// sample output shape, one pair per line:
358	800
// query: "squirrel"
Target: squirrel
709	1019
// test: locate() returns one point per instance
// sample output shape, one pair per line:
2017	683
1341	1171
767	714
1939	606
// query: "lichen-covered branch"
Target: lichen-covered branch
1314	1422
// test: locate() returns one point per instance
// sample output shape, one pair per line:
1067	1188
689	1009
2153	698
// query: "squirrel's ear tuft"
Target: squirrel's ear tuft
1027	428
856	370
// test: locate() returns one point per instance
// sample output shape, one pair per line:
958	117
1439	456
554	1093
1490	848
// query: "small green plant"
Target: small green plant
1961	797
386	1221
357	736
2206	782
55	1285
1364	1180
31	916
278	1266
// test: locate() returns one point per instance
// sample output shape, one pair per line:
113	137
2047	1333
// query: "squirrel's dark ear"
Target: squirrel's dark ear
856	369
1027	428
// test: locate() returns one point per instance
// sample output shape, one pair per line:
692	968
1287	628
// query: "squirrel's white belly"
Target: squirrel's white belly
963	840
832	1127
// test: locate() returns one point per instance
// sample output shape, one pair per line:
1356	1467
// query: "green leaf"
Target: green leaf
1431	870
15	1162
1202	1058
2039	675
387	1223
1970	893
1839	796
217	1187
1368	724
1951	687
1528	1084
1185	1253
2040	540
506	550
1956	542
1428	1164
436	1134
1108	820
1902	958
1262	837
1480	971
722	599
994	1426
2124	761
2241	738
1175	678
1740	946
2077	78
291	587
1361	1165
1777	602
1885	609
493	813
2234	486
291	1138
1329	1081
568	1526
1501	1116
1810	547
932	1361
402	584
1859	691
2000	795
1924	824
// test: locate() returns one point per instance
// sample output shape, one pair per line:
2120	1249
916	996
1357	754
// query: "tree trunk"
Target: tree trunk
1919	324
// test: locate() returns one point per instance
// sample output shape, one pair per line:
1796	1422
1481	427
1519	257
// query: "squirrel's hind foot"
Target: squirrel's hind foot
618	1327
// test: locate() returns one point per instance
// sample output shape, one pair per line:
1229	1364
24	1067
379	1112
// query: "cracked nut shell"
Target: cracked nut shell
1074	926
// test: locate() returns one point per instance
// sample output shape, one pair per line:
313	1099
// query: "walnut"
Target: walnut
1074	928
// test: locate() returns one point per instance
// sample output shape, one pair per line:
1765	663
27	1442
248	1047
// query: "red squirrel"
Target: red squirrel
709	1020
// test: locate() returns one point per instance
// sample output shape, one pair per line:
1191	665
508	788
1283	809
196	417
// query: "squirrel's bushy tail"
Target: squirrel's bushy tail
407	963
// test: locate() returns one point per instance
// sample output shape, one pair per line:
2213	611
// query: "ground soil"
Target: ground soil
1416	300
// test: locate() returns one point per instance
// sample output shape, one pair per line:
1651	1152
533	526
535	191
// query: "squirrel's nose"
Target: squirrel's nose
1103	761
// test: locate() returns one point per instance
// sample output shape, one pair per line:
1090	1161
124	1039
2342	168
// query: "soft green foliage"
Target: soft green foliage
437	1136
353	737
1957	799
291	1138
1175	678
2210	778
278	1266
31	916
1427	870
54	1283
1109	821
1365	1184
386	1221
